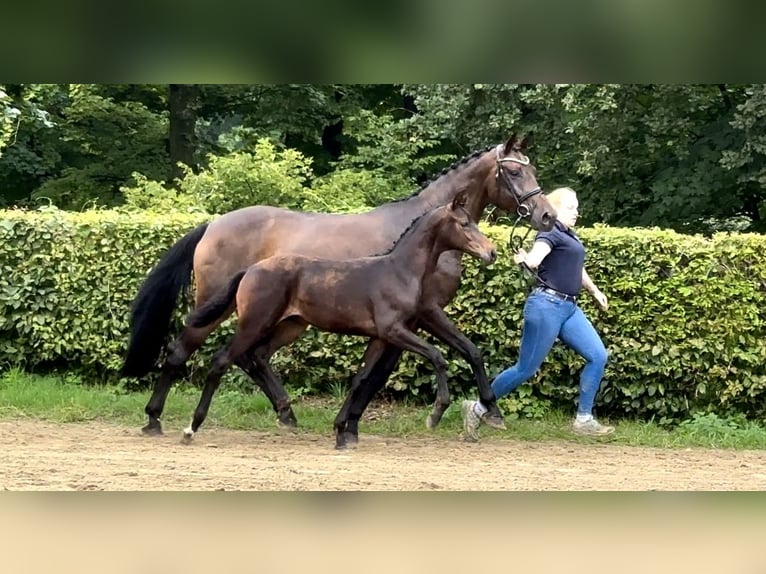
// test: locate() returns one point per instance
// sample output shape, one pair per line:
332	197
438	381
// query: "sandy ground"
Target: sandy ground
37	455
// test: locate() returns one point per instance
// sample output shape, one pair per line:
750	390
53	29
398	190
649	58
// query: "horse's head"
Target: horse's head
515	188
460	232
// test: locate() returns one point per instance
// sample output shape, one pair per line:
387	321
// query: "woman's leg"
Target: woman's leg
542	321
579	334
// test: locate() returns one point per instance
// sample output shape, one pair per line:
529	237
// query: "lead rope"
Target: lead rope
515	242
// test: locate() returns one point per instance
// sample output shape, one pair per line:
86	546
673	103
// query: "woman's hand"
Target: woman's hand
520	257
600	299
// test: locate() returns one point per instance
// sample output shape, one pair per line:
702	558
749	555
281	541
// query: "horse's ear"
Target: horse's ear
460	200
526	142
511	144
518	143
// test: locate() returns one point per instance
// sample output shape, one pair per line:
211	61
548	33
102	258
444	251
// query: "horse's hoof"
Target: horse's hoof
351	439
494	421
287	425
152	429
187	438
431	422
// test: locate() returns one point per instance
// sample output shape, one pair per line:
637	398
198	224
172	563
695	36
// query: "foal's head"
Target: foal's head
514	186
457	231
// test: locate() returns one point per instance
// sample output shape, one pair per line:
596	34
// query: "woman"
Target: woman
551	312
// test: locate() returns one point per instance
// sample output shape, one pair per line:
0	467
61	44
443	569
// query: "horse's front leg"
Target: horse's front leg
434	320
402	337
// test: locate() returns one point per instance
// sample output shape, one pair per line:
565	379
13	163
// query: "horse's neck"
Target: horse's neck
469	176
417	252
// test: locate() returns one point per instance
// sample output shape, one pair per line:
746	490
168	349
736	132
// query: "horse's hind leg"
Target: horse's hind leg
221	362
179	352
377	373
285	333
371	357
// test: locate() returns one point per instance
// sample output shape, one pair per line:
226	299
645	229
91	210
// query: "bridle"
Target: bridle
522	211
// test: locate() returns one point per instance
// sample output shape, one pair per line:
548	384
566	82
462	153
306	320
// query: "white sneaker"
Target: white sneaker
471	420
591	427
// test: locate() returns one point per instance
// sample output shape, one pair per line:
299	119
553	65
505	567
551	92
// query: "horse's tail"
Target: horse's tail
216	305
153	307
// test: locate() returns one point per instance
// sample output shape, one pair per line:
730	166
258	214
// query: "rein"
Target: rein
515	242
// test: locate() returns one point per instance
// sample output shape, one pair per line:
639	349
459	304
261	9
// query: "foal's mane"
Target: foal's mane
405	232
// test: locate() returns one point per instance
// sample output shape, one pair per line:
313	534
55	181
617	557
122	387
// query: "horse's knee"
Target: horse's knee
474	356
440	364
221	362
176	354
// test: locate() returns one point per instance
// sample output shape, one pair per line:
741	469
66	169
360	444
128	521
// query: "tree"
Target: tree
183	101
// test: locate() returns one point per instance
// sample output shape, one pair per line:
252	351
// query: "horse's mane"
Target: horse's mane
444	171
405	232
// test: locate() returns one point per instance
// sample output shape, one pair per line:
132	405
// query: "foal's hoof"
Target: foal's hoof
152	429
494	421
287	419
431	422
187	438
287	425
351	439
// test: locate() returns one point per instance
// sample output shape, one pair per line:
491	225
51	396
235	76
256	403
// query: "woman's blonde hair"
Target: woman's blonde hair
556	197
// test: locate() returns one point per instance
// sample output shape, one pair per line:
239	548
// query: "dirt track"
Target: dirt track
96	456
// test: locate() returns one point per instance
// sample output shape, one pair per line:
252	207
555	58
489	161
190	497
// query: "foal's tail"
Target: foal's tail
216	305
153	306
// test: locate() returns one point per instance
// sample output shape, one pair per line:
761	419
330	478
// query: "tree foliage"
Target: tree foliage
687	157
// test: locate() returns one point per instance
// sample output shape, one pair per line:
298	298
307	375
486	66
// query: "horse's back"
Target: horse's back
332	295
240	238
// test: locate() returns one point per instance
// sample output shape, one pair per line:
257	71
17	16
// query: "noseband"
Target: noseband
522	210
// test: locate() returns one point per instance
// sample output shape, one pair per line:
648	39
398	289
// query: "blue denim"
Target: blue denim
545	319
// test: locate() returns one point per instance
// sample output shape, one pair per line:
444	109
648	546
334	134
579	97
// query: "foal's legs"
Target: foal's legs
286	332
178	353
371	357
221	363
367	382
256	364
258	319
434	320
401	336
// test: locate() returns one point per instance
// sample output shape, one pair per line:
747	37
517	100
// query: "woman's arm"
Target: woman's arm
539	251
595	292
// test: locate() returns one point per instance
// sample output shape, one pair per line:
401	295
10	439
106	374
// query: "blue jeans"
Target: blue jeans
546	318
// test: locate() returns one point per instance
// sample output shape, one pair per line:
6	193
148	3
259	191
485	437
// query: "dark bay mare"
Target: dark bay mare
376	297
502	176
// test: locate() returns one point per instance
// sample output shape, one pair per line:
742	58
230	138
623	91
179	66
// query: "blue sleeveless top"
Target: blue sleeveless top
562	267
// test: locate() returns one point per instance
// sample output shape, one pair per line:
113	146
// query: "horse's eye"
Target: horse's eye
466	224
515	172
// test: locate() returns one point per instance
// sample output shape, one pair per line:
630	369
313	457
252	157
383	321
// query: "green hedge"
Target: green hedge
685	326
